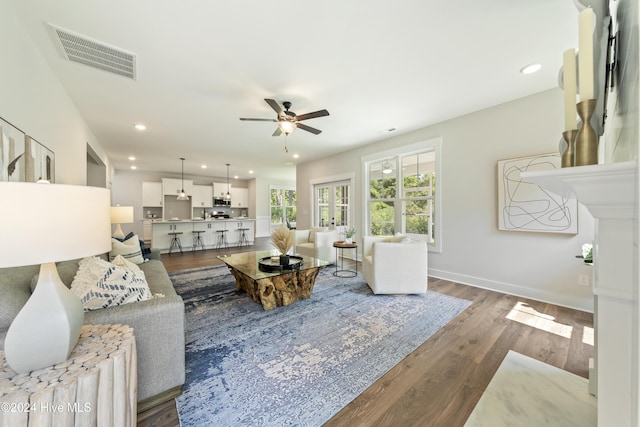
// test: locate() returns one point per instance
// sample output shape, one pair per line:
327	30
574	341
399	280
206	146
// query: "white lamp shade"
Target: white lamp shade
52	222
121	214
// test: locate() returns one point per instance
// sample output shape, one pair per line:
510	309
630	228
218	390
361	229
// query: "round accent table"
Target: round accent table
96	386
341	271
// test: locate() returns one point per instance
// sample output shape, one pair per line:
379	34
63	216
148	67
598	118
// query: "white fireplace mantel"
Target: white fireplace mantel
609	192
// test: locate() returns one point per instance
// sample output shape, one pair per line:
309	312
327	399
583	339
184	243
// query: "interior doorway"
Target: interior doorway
96	169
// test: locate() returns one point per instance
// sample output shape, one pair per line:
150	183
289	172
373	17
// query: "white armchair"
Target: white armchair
316	243
393	265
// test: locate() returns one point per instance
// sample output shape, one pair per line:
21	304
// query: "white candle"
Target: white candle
585	54
569	80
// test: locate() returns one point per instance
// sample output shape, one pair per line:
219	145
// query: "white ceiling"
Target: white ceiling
372	64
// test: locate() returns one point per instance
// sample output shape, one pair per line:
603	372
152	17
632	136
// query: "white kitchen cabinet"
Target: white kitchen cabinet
220	189
172	186
233	231
152	194
239	197
215	226
162	240
208	238
202	196
147	230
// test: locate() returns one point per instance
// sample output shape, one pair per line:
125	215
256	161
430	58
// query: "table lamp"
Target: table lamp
121	215
42	224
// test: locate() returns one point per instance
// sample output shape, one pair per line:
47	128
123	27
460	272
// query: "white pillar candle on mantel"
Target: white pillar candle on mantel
585	54
569	81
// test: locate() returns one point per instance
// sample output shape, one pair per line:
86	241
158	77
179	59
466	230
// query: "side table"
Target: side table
96	386
342	272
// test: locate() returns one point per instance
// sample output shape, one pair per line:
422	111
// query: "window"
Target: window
402	194
282	205
333	204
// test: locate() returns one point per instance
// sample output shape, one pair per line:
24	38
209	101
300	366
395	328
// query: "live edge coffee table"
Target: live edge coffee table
268	283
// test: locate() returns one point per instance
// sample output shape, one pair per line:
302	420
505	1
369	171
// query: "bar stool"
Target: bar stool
222	239
197	240
175	241
242	239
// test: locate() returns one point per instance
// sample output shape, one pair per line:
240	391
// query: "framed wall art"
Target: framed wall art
12	153
40	162
523	206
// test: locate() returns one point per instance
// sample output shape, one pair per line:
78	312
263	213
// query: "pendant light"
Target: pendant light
228	195
182	195
387	167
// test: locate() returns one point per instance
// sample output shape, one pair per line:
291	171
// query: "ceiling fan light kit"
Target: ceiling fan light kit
286	126
288	121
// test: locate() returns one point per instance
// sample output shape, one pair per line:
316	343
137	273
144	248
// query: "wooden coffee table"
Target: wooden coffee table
273	288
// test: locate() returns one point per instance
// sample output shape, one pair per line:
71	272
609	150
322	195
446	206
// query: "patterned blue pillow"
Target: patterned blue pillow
100	284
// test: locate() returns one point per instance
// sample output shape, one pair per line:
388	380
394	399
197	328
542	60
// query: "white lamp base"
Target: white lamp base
47	328
118	233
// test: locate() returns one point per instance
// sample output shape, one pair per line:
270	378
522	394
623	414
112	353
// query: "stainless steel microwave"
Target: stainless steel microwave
220	201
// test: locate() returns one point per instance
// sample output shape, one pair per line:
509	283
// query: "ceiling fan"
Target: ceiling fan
288	121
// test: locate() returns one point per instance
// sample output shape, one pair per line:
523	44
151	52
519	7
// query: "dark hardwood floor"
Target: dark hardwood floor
440	383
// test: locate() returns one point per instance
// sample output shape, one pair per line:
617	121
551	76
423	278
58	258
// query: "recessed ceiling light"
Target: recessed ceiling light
140	126
251	172
235	177
132	158
295	156
530	69
134	167
203	166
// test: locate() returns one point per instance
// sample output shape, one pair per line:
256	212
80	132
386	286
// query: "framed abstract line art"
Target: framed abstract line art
523	206
12	153
40	161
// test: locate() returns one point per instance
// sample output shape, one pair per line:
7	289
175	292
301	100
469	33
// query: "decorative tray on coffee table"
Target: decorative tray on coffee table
272	264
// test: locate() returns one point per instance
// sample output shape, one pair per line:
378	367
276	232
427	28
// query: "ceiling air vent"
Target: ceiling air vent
81	49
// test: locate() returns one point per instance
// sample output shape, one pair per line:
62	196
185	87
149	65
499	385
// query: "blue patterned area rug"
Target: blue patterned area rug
296	365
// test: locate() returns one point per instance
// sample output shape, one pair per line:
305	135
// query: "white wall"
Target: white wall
32	98
536	265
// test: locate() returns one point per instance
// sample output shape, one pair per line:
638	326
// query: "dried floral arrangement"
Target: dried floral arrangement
282	239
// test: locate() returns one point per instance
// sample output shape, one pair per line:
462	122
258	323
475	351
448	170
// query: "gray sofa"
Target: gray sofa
158	325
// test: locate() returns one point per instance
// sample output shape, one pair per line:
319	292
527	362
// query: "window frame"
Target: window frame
283	206
435	145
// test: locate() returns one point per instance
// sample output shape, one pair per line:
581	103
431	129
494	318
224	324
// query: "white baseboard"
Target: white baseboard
584	304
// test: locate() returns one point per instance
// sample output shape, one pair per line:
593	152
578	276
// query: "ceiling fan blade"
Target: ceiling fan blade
258	120
320	113
277	132
308	128
273	104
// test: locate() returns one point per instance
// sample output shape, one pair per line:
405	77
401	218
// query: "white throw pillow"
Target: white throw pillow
400	238
121	262
100	284
129	249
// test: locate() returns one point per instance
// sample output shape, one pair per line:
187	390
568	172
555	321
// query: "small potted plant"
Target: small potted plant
349	235
283	241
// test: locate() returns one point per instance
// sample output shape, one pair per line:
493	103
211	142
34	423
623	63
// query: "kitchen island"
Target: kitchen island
161	239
